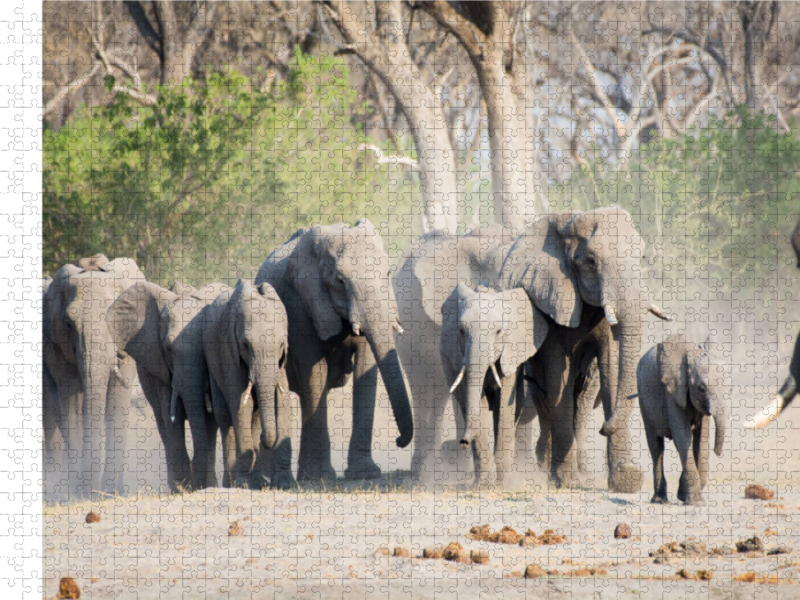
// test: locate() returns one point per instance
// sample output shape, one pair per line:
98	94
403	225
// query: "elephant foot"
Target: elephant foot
362	467
316	472
659	499
625	479
257	481
283	480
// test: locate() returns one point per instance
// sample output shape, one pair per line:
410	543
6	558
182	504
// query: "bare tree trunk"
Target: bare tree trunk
379	40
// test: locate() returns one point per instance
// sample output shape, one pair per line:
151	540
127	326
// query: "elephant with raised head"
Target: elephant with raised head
581	269
163	331
334	282
430	270
486	338
246	343
679	392
788	391
91	378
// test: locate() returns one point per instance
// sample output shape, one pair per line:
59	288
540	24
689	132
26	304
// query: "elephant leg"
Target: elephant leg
281	476
422	460
560	386
223	419
365	386
210	471
158	396
203	439
656	446
505	435
314	459
71	402
481	453
583	419
689	490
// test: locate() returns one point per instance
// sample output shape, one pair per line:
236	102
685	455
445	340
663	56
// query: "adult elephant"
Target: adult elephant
92	380
162	331
430	270
246	345
334	282
581	269
486	337
788	391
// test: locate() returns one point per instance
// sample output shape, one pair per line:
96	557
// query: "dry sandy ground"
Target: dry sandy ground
322	543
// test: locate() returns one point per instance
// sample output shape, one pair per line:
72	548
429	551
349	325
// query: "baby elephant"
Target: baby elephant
486	337
679	389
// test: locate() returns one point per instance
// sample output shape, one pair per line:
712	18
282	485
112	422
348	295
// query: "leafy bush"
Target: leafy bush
204	183
715	206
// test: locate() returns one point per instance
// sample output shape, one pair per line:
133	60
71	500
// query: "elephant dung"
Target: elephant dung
67	588
507	535
753	544
432	552
92	517
480	557
534	571
548	538
455	552
701	575
622	531
382	551
401	552
758	492
235	529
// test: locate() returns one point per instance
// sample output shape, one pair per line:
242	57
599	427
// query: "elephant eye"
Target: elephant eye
702	388
340	278
590	261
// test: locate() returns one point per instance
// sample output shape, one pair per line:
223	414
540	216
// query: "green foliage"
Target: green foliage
204	183
715	206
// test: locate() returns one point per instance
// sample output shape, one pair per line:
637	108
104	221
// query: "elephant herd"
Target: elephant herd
547	324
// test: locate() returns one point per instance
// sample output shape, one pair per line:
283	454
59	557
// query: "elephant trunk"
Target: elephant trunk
380	336
265	381
475	378
720	422
628	335
95	375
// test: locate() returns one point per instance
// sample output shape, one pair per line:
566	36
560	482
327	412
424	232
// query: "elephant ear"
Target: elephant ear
55	304
672	366
92	263
450	317
539	263
135	322
305	269
525	329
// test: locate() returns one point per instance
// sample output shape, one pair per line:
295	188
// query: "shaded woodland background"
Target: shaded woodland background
195	136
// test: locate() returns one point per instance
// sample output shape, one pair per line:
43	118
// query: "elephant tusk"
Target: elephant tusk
356	329
246	393
779	402
611	314
173	406
281	388
496	375
398	328
458	379
768	414
118	372
659	312
209	408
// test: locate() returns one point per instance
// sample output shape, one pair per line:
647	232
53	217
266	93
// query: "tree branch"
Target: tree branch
137	12
390	159
73	85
